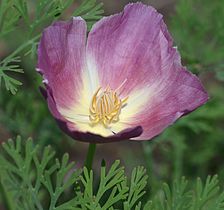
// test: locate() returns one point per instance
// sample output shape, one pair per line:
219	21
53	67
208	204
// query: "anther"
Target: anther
105	107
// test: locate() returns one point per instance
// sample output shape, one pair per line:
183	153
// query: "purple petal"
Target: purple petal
126	47
134	48
61	59
180	96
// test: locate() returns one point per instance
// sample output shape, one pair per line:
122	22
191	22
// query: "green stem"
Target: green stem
90	155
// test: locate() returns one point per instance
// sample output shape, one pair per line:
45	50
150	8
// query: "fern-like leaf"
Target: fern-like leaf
30	177
7	66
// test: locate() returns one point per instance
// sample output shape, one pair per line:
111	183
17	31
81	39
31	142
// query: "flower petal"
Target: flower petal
125	48
61	59
176	98
135	49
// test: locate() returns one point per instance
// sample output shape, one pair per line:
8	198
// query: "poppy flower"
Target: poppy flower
124	81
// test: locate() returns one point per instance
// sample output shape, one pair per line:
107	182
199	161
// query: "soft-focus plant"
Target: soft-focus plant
203	51
29	175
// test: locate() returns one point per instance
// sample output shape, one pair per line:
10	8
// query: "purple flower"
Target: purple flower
125	81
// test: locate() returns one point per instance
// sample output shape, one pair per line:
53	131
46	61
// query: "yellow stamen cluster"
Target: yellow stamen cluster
105	107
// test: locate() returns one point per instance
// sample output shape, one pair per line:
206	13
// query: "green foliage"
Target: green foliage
8	17
114	181
138	183
198	30
201	197
10	65
22	118
29	175
113	188
16	15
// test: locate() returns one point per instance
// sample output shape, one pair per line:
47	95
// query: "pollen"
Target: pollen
105	107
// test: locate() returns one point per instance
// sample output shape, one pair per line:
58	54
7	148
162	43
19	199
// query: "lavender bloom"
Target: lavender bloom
125	81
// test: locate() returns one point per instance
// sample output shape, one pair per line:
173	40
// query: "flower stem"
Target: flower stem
90	155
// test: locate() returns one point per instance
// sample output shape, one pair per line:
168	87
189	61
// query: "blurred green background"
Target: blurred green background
194	146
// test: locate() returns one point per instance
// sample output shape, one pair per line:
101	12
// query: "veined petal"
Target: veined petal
124	48
175	98
134	48
61	59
